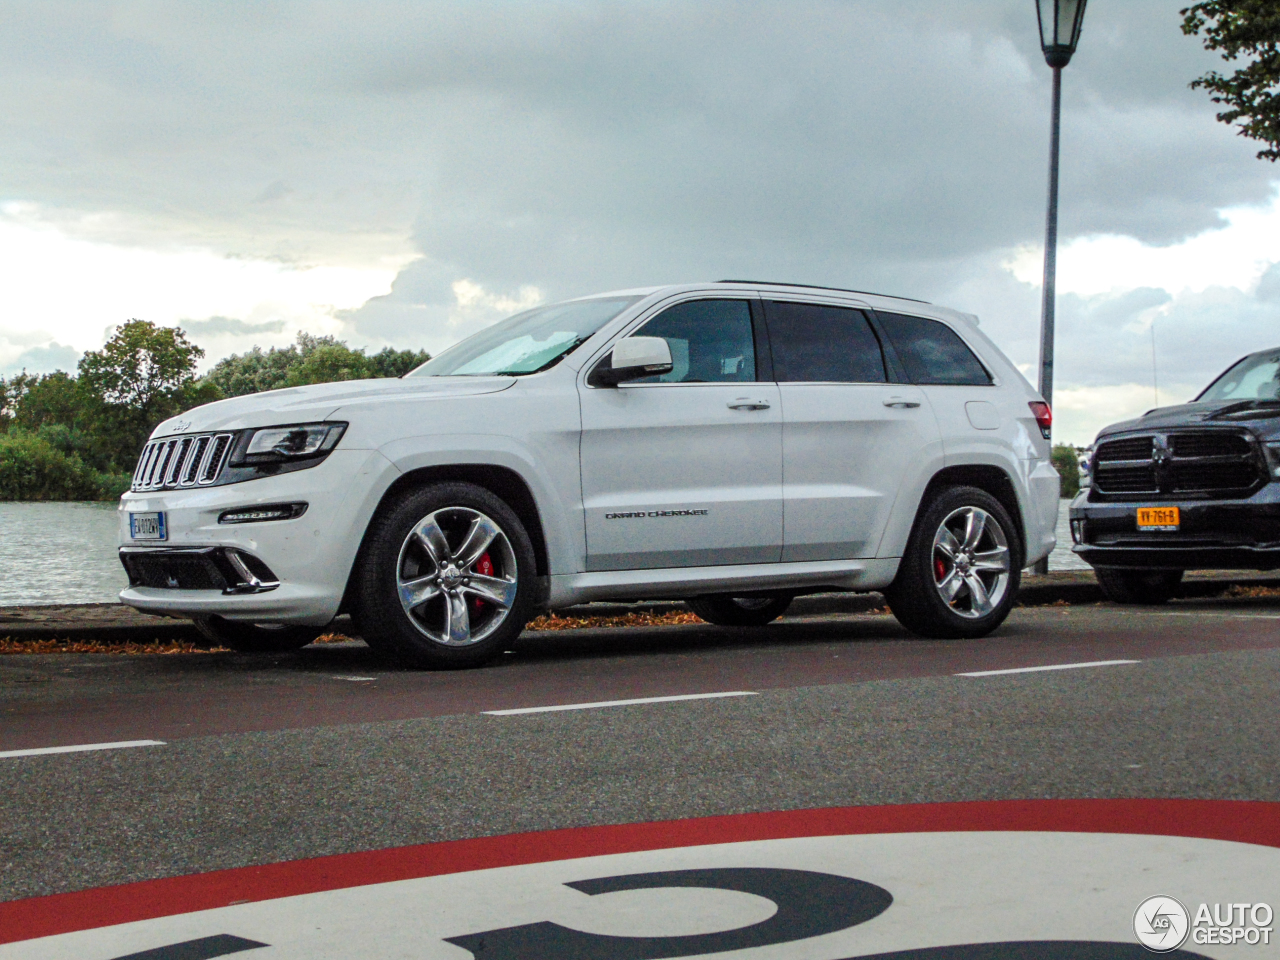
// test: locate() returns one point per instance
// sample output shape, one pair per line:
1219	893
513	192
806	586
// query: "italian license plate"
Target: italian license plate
147	526
1159	518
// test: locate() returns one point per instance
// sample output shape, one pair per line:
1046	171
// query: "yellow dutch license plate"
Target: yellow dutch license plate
1158	518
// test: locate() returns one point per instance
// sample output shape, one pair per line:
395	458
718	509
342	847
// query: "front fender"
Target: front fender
556	491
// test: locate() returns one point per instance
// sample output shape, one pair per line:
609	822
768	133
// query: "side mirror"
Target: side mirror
632	358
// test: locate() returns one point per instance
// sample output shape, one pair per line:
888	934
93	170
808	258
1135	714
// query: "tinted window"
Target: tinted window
710	341
932	352
816	343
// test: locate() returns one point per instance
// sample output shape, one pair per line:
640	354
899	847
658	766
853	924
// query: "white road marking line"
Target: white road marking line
355	678
1219	616
619	703
80	748
1056	666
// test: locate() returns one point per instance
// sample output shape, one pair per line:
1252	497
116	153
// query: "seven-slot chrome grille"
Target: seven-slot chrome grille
182	461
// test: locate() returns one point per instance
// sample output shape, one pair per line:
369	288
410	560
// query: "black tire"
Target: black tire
916	595
437	632
748	610
248	637
1137	586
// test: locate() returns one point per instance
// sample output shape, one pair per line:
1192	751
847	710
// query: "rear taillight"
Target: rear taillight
1044	416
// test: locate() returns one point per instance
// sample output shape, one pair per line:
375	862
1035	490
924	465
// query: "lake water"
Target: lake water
59	553
66	553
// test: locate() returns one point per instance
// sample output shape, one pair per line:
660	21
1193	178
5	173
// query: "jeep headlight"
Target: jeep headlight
299	441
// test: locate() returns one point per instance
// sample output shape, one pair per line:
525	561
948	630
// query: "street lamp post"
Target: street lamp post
1060	22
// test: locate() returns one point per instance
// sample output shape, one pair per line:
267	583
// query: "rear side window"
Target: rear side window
820	344
932	352
710	340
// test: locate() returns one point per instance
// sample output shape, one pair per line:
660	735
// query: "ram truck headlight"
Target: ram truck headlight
300	441
1273	456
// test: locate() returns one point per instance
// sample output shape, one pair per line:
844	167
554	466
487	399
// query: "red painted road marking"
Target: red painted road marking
1252	822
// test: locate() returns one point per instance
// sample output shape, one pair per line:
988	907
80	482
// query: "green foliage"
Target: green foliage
33	468
31	401
311	360
1251	29
78	438
1066	460
142	375
67	437
389	362
141	366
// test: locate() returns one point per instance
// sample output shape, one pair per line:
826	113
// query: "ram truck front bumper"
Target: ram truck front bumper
1236	534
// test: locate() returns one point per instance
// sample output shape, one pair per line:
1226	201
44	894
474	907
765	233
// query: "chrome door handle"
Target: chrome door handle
901	402
742	403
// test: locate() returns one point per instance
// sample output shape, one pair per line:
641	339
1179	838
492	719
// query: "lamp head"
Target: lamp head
1060	22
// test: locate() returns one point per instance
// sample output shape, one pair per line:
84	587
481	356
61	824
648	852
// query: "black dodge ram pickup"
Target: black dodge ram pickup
1191	487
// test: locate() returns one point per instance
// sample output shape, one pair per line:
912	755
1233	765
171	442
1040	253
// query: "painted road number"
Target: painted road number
1158	518
147	526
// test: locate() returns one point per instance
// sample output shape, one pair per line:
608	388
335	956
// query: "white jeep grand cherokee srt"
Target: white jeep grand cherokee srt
729	444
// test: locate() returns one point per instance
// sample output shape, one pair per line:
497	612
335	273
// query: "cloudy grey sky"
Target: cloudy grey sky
406	172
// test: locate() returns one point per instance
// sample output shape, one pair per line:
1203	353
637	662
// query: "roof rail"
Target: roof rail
814	286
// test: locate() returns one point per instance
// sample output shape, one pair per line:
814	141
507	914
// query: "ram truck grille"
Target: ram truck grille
1201	464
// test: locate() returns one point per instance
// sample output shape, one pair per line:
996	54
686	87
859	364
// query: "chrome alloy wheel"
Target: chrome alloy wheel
456	576
971	562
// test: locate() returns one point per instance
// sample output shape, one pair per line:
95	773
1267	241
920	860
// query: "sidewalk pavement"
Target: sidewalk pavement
113	622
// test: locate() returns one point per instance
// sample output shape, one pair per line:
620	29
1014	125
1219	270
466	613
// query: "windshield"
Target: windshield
526	343
1256	377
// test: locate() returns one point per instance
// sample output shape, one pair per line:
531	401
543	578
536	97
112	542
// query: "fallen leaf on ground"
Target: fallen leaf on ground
8	645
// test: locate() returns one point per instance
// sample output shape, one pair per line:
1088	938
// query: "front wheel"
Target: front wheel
246	637
446	577
1137	586
961	569
752	610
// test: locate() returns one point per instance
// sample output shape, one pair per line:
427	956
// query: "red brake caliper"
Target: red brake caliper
484	567
939	569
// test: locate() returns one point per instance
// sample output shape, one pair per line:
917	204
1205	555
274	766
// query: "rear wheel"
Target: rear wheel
255	637
446	577
1137	586
960	572
749	610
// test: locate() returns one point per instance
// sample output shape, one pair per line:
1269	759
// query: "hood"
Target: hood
319	401
1263	415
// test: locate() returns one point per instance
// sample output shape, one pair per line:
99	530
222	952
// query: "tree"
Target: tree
32	401
389	362
311	360
142	375
1066	460
1248	28
327	362
142	364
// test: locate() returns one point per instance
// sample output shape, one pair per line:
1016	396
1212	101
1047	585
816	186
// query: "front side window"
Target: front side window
932	352
710	342
1256	377
526	343
820	344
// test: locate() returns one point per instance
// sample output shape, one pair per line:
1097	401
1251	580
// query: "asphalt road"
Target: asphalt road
270	758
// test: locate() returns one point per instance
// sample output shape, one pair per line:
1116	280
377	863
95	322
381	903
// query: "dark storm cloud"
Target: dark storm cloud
583	147
579	146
